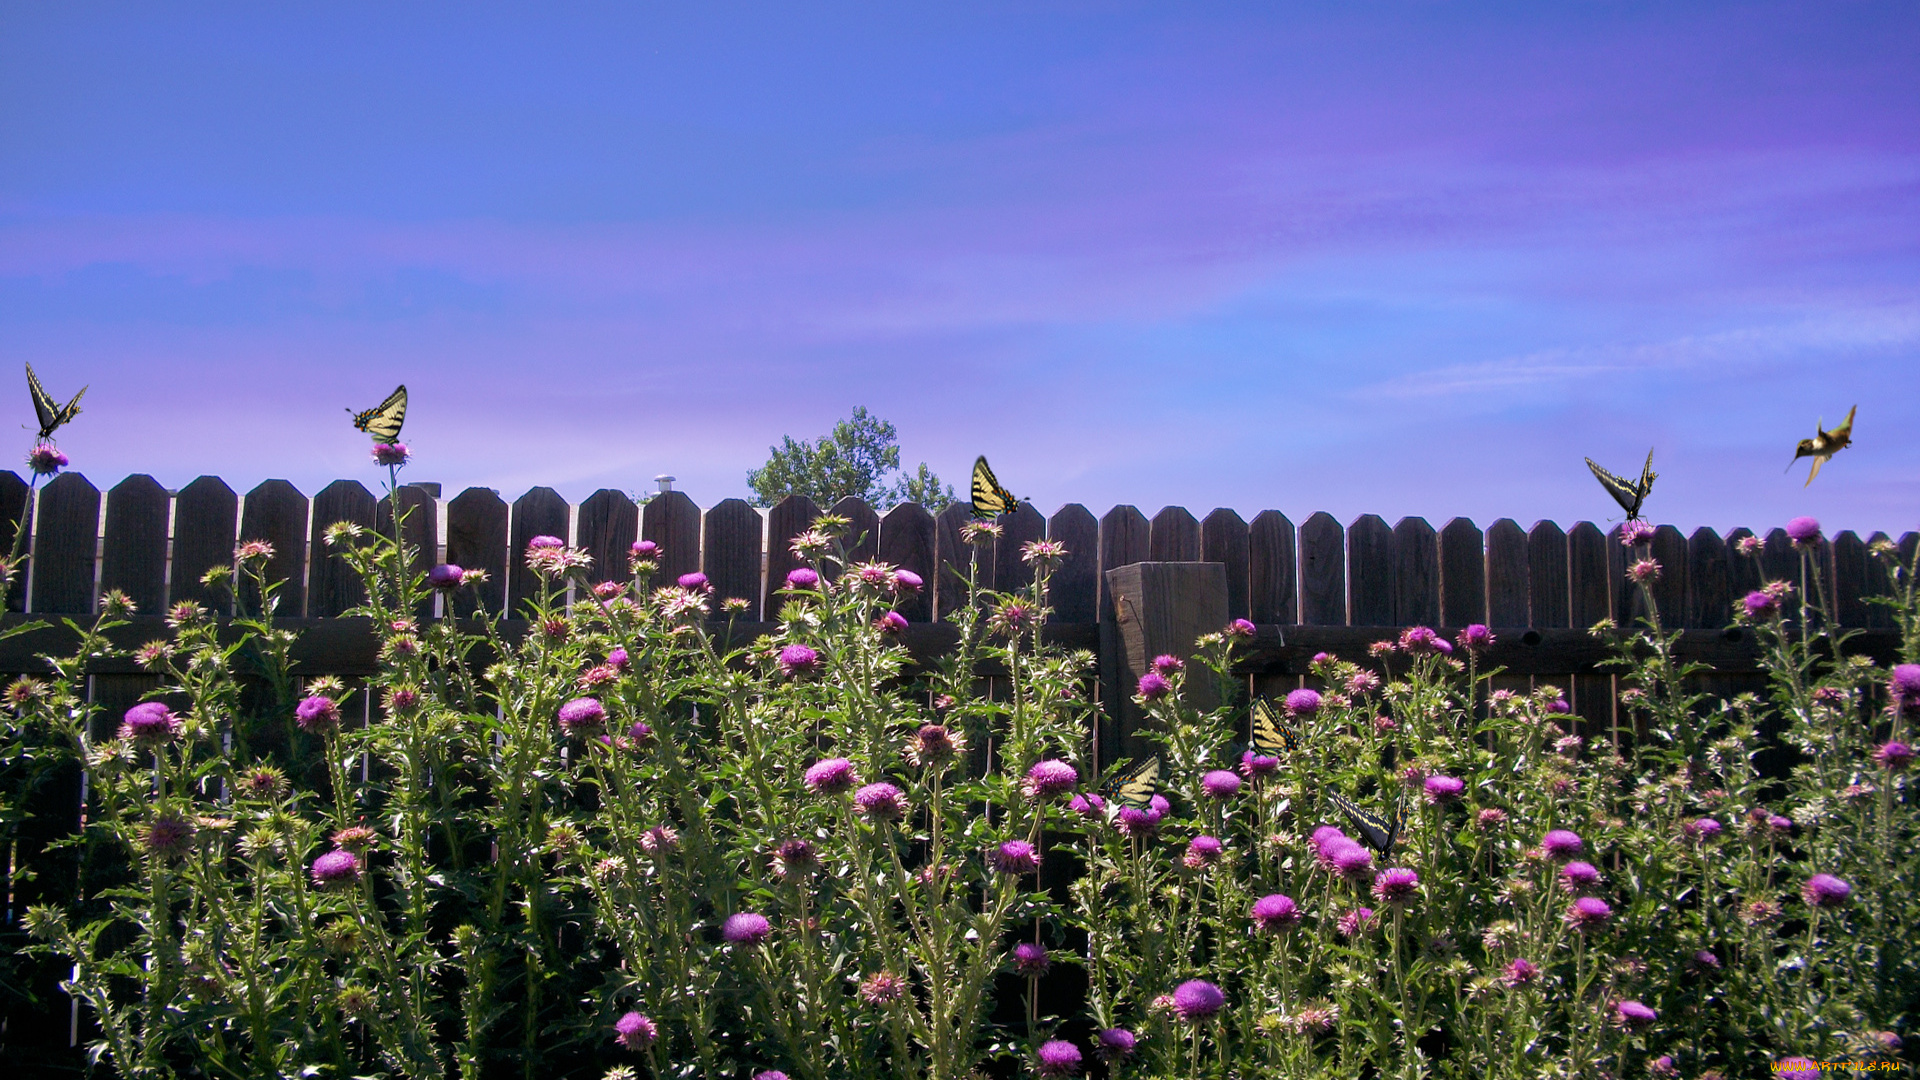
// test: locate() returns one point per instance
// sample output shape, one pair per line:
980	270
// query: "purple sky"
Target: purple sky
1401	259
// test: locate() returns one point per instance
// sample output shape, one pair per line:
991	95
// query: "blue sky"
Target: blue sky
1394	258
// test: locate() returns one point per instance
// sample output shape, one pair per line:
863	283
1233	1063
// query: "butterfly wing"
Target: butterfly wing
1272	735
1647	476
1136	786
1627	495
990	500
383	420
1379	833
43	405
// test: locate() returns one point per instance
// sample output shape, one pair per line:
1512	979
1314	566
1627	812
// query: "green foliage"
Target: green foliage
852	459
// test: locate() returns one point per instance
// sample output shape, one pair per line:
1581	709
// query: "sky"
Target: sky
1394	258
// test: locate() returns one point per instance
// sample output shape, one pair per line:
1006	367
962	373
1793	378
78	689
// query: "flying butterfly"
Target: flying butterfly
1628	495
1380	835
52	414
1135	787
383	420
990	500
1820	448
1272	734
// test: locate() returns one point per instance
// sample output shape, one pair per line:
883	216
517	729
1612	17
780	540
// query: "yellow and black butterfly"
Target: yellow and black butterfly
1379	833
990	500
1628	495
52	415
383	420
1135	787
1272	733
1820	448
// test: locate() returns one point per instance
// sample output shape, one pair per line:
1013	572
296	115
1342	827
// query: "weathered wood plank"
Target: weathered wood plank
133	554
907	542
1022	526
1370	572
730	555
1879	581
863	529
956	560
787	519
1743	570
671	520
1589	589
1174	536
1416	570
205	517
1778	559
1273	592
1629	608
332	585
63	545
1547	576
15	509
276	512
1323	571
1508	574
477	540
1074	590
540	512
608	524
420	530
1709	599
1849	560
1223	539
1669	549
1124	539
1463	574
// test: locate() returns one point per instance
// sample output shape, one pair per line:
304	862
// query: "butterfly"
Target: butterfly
1380	835
383	420
990	500
51	414
1136	786
1628	495
1821	447
1272	734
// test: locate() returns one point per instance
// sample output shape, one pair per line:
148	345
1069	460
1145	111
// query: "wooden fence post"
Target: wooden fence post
1160	609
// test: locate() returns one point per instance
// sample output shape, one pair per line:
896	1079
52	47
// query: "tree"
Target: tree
849	460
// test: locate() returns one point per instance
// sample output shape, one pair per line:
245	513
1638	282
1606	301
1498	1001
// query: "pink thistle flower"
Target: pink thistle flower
891	622
832	776
1803	531
1442	790
46	459
582	716
882	988
1520	973
1396	885
317	713
1578	876
1351	861
1702	830
1220	784
446	576
1588	913
643	549
1362	682
1825	891
795	857
1049	778
1014	857
1116	1044
1894	756
150	723
1303	702
1635	533
1057	1058
1197	999
1903	686
335	868
935	744
1240	628
1419	640
1091	807
1031	960
1355	922
798	661
1633	1016
1562	844
1202	852
1258	766
1167	664
390	454
906	582
1154	686
1762	606
1644	571
745	928
1275	912
636	1032
1475	637
1491	818
881	802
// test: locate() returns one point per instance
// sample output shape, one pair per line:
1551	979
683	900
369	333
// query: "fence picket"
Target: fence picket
1508	574
1022	525
789	518
608	524
420	513
205	517
1173	536
671	520
1669	549
1323	571
1463	574
63	542
477	540
1272	572
133	553
1370	572
863	528
1416	573
1074	590
16	514
276	512
1708	600
1124	539
1223	539
1547	576
1850	579
953	558
540	512
730	553
332	585
1879	583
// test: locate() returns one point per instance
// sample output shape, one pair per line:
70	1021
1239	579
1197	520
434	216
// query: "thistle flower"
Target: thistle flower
168	835
1202	851
1760	912
318	713
1635	533
608	590
1803	531
597	676
1761	606
769	1074
355	838
636	1032
1633	1016
1579	876
1706	960
1116	1044
1894	756
891	622
1220	784
1091	807
390	454
1644	571
1442	790
1275	912
1903	686
659	840
1350	860
882	988
1049	778
798	661
1303	702
1420	640
1491	818
1520	973
446	576
831	776
694	582
337	867
881	802
1240	628
935	744
1197	999
1562	844
1588	913
1825	891
1702	830
1058	1058
1475	636
1154	686
46	459
1012	617
1258	766
802	578
643	549
1031	959
1355	922
262	782
1014	857
1167	664
906	582
745	928
150	723
582	716
1045	554
795	856
980	533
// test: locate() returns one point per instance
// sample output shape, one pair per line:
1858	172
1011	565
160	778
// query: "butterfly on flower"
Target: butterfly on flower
990	500
383	420
51	413
1820	448
1272	733
1379	833
1135	786
1628	494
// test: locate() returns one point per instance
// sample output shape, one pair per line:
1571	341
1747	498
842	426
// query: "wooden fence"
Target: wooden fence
1311	587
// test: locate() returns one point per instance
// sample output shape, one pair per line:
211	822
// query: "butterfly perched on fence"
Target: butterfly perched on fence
1820	448
1134	787
383	420
990	500
51	413
1628	494
1379	833
1272	733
